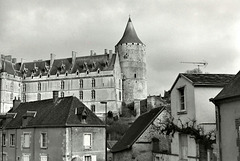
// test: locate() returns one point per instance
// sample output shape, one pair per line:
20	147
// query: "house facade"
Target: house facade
228	120
54	129
143	139
110	77
190	107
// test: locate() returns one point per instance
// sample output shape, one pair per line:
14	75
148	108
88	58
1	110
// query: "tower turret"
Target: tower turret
132	56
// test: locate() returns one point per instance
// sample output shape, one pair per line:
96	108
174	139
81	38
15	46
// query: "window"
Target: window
135	75
87	141
62	84
39	96
81	83
120	95
24	97
11	86
90	158
183	146
182	99
43	140
39	86
3	139
93	82
44	158
93	108
26	140
80	95
93	94
24	87
62	94
26	157
11	96
12	139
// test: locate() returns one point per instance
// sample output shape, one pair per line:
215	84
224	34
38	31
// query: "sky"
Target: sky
173	31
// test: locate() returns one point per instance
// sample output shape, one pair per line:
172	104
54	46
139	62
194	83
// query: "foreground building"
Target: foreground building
227	104
113	78
142	141
54	129
190	106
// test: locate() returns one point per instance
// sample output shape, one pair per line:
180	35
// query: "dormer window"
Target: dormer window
77	73
98	71
87	72
66	74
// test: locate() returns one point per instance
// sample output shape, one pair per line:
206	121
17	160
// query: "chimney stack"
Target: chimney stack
74	53
16	103
55	96
110	54
105	51
91	52
52	57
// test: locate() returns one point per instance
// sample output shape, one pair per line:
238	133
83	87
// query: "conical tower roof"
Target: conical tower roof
130	35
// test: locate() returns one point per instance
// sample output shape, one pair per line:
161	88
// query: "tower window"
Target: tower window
120	95
39	96
62	94
24	87
39	86
182	99
135	75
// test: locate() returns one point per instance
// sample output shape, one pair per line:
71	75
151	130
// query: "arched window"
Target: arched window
93	94
39	86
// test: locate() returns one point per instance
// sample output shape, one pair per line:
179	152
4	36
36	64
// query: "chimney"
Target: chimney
73	58
52	57
16	103
55	96
14	60
105	51
110	54
91	52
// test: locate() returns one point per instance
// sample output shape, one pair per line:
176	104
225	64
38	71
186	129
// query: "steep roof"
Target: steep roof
136	130
81	64
129	35
231	90
210	80
50	114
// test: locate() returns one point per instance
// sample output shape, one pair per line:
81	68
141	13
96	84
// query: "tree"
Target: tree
194	71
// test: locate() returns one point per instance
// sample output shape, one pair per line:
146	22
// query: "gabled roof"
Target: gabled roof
231	90
50	114
137	129
130	35
208	80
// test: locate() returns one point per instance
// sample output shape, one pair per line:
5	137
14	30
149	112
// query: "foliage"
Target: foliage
116	129
194	71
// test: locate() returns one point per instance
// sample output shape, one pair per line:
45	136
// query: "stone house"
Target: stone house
53	129
227	104
190	106
143	138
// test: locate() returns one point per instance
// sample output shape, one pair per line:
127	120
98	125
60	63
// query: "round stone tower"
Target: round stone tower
132	56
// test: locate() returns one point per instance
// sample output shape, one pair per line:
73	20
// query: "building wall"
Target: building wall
132	58
10	88
229	134
62	143
205	110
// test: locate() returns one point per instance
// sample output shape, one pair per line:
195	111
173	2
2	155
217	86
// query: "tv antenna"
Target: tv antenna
199	64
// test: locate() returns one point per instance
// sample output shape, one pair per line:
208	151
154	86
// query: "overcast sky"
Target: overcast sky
173	31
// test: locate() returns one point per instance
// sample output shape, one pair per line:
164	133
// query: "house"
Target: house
227	104
53	129
143	138
190	107
112	77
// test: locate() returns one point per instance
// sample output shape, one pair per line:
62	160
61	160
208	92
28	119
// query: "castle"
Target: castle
112	78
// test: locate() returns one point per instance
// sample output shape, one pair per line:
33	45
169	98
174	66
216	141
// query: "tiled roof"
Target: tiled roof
231	90
7	66
136	130
130	35
82	64
210	80
50	114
